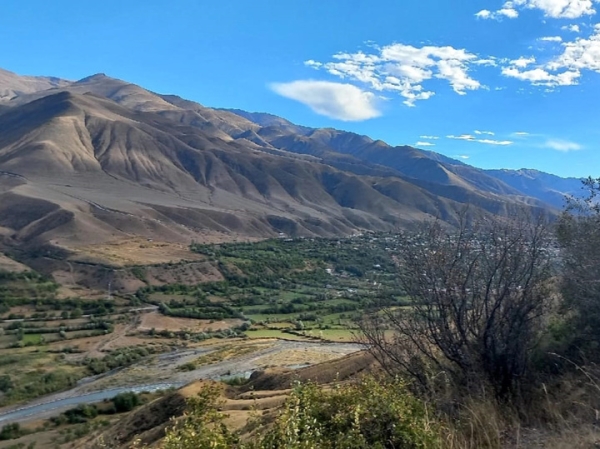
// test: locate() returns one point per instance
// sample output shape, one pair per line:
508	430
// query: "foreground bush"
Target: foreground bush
358	416
363	415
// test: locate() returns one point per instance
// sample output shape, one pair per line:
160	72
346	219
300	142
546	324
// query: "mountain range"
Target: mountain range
101	160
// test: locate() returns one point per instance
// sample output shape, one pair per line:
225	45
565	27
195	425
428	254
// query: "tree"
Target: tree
579	239
478	296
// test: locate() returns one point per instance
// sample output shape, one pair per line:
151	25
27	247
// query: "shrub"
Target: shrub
11	432
364	415
125	402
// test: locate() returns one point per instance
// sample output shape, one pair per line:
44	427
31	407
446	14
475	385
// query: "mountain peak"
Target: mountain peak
95	77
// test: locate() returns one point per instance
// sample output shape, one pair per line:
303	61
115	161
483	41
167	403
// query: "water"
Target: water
88	398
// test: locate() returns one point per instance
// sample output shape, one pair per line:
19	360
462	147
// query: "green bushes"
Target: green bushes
80	414
118	358
11	432
33	384
84	413
364	415
125	402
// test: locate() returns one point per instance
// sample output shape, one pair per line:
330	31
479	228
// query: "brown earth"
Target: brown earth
92	279
158	322
135	251
8	264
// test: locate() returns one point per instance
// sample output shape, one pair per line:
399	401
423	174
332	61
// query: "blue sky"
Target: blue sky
497	84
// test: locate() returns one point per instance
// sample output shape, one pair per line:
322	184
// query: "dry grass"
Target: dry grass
7	264
158	322
137	251
295	357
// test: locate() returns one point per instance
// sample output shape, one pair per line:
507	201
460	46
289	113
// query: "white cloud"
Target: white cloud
562	145
523	62
462	137
521	133
335	100
491	61
572	28
470	138
495	142
564	69
463	156
541	77
429	137
580	54
425	144
507	11
404	69
489	133
551	39
510	12
556	9
560	9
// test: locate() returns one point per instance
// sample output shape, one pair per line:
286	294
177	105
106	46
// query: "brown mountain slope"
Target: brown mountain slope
78	169
13	85
102	160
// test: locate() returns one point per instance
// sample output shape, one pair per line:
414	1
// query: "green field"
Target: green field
317	285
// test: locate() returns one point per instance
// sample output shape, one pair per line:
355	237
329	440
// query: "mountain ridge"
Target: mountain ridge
101	159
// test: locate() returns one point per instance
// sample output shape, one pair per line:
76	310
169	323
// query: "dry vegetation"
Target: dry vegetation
135	251
158	322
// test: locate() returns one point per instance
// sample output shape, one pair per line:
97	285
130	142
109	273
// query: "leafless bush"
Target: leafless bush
479	294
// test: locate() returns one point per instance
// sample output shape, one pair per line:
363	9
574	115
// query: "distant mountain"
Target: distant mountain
269	120
100	159
13	86
544	186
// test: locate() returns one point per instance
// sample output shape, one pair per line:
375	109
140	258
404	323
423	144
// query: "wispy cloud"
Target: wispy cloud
462	137
565	69
335	100
463	156
572	28
471	138
562	145
521	133
405	69
556	9
551	39
429	137
506	12
425	144
495	142
560	9
523	62
489	133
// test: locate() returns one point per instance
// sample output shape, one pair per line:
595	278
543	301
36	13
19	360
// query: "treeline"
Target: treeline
21	327
44	307
276	258
120	358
